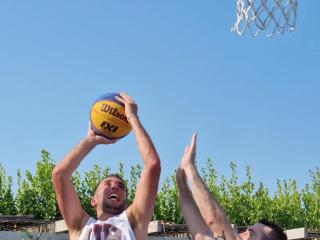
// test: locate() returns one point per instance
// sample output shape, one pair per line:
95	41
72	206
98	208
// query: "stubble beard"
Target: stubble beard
114	209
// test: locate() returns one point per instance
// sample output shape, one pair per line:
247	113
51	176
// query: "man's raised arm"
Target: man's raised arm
140	212
196	225
210	209
68	201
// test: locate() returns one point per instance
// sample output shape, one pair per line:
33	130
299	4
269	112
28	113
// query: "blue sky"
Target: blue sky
254	101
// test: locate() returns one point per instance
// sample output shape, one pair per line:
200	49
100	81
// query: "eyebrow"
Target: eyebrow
117	181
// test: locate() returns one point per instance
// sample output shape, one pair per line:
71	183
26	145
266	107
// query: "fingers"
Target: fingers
186	149
192	147
193	142
120	99
124	97
188	159
131	108
127	97
90	131
103	140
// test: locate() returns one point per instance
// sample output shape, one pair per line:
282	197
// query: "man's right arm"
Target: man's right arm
196	225
69	204
210	209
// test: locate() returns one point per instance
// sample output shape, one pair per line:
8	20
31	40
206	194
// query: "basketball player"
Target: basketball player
204	216
115	220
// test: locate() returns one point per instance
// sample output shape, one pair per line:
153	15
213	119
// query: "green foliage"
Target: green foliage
244	202
167	206
209	175
135	173
286	205
311	199
7	206
261	203
35	193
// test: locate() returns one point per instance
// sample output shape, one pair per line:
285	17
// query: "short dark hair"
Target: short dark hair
277	232
112	175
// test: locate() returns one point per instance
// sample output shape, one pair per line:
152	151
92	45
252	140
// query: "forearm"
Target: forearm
210	209
195	222
145	145
190	211
67	198
72	160
143	203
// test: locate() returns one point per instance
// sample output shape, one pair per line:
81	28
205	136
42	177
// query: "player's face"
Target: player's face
111	195
256	232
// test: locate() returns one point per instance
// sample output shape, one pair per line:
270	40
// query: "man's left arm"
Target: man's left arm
140	212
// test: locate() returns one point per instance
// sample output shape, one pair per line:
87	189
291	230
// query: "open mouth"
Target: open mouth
113	196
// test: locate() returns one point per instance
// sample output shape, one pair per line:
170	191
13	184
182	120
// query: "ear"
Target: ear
93	202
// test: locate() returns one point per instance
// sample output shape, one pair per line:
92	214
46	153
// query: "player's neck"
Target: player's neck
103	216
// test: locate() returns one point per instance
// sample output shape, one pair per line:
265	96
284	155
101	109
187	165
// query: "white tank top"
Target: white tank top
115	228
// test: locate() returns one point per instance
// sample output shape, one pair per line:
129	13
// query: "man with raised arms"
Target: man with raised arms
115	220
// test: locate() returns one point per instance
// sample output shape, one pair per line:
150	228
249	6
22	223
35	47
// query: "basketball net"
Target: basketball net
278	16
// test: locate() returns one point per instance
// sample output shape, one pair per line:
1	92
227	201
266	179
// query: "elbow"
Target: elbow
155	166
58	175
213	220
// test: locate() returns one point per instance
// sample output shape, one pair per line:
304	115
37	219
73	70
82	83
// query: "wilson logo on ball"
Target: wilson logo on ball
113	111
108	117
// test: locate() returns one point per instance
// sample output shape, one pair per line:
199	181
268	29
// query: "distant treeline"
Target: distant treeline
244	202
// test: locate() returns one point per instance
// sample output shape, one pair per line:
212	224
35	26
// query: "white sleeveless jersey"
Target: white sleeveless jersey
115	228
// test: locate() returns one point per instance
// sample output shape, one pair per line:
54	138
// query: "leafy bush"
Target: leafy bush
7	206
244	203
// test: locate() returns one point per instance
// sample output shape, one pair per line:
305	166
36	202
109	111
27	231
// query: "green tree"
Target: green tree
233	197
35	194
167	206
246	214
311	199
209	175
7	206
262	204
243	202
135	173
287	209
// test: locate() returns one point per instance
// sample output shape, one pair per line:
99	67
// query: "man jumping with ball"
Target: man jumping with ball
115	220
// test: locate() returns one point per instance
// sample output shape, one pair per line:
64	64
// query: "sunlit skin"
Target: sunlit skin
203	214
256	232
110	196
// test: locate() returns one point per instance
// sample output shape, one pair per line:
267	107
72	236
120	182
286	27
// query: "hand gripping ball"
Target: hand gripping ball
108	118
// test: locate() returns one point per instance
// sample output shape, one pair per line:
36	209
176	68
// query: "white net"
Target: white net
274	16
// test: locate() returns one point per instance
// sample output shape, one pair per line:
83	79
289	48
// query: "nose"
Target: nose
114	187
